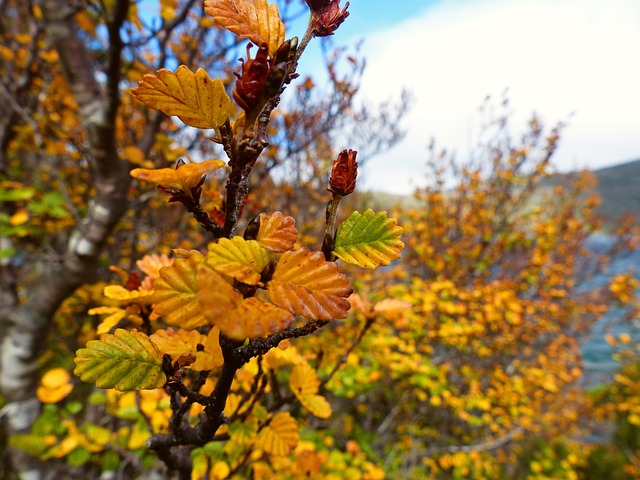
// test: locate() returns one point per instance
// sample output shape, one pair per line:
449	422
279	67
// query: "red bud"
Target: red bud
344	173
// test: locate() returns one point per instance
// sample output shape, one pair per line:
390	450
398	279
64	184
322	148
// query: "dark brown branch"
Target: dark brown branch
260	346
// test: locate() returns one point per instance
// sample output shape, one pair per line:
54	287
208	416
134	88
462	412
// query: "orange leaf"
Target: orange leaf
277	232
184	178
306	284
194	98
215	295
253	19
175	294
151	264
254	318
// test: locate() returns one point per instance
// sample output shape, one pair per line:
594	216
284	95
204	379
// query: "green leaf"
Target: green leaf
78	457
368	239
16	194
32	445
124	361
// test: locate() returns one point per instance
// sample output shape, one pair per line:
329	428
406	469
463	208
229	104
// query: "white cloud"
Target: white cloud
556	57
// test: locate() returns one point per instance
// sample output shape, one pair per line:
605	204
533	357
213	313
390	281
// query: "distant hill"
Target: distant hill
619	187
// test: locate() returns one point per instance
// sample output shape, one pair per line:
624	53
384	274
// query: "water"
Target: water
598	356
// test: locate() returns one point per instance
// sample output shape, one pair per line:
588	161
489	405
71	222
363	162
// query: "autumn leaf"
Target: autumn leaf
175	293
368	239
205	348
238	258
255	20
305	284
254	318
118	292
124	361
280	436
184	178
277	232
236	317
194	98
216	296
114	315
304	384
54	386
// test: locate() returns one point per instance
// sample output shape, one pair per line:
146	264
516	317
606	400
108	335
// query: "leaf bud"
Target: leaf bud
327	16
252	228
344	173
252	79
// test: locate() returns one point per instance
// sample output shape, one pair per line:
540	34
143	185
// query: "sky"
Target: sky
566	60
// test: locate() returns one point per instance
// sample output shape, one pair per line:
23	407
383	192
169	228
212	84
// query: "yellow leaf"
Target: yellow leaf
280	436
54	386
168	9
138	437
205	349
304	384
19	218
211	358
177	342
253	19
317	405
134	155
277	232
220	470
241	259
184	178
194	98
306	284
175	293
115	315
304	380
118	292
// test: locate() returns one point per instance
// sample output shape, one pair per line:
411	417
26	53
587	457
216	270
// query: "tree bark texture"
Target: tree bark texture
27	324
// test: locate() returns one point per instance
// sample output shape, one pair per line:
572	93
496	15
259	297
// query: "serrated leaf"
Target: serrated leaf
255	20
277	232
124	361
216	296
254	318
280	436
194	98
368	239
304	384
241	259
236	317
175	293
306	284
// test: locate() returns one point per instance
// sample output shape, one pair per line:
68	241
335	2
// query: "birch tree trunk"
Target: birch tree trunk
27	323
